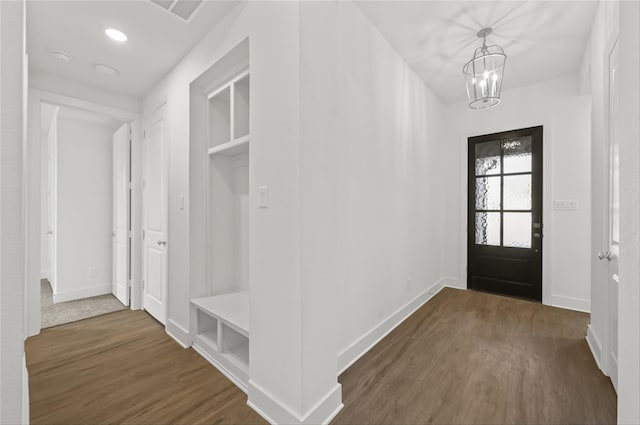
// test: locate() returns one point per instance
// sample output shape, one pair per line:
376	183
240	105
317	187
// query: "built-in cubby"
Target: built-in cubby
220	306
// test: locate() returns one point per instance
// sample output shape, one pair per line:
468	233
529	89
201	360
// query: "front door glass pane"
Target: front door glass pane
517	155
488	158
517	229
517	192
488	228
488	193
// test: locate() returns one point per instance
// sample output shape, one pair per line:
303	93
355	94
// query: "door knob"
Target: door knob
162	242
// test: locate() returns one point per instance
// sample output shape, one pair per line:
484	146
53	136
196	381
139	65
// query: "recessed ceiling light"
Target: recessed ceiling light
105	69
116	35
61	56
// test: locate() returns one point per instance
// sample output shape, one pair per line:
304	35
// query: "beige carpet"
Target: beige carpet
72	311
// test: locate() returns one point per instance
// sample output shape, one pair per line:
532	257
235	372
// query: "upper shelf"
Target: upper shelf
232	148
232	308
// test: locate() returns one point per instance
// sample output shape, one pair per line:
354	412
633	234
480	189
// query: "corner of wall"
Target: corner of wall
276	412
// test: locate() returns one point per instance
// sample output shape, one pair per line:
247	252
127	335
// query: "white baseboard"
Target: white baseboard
594	345
454	282
178	333
570	303
78	294
25	390
613	372
357	349
276	412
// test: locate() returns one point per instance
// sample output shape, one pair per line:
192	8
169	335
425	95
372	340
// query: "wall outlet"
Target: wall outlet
93	272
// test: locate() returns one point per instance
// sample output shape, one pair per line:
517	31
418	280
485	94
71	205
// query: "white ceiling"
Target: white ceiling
542	39
157	39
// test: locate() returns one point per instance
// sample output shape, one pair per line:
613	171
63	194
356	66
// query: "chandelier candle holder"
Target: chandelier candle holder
484	73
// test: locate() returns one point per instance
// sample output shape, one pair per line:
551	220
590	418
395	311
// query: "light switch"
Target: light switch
263	192
565	205
181	202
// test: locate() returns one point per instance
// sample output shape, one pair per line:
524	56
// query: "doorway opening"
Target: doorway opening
85	214
504	237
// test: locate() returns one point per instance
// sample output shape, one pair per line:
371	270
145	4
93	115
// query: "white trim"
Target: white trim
594	345
25	390
77	294
230	376
32	208
276	412
366	342
452	282
178	333
44	274
63	100
571	303
613	371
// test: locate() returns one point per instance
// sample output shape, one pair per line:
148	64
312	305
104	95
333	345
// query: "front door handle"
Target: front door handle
605	255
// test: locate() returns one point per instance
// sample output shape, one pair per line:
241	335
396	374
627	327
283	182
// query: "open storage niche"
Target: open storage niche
220	315
220	117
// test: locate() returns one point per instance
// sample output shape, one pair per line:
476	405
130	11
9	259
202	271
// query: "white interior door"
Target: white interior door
611	256
121	212
51	203
154	187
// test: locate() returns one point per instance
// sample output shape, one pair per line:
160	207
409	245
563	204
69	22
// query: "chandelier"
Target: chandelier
484	73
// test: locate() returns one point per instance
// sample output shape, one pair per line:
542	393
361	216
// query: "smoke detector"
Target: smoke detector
61	56
105	69
183	9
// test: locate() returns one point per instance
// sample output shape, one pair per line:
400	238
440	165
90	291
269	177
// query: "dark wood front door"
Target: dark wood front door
505	213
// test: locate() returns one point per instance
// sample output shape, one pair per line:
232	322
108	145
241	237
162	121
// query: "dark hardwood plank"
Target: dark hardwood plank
464	357
123	368
470	357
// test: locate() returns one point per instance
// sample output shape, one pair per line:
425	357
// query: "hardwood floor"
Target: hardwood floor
464	357
123	368
469	357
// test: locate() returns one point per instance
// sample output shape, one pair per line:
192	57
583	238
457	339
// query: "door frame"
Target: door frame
161	108
32	187
547	202
533	133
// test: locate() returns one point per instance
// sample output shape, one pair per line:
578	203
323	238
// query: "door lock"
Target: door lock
605	255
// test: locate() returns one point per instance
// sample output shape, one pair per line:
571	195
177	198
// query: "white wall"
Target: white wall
275	385
629	292
565	115
371	180
14	403
84	208
333	147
